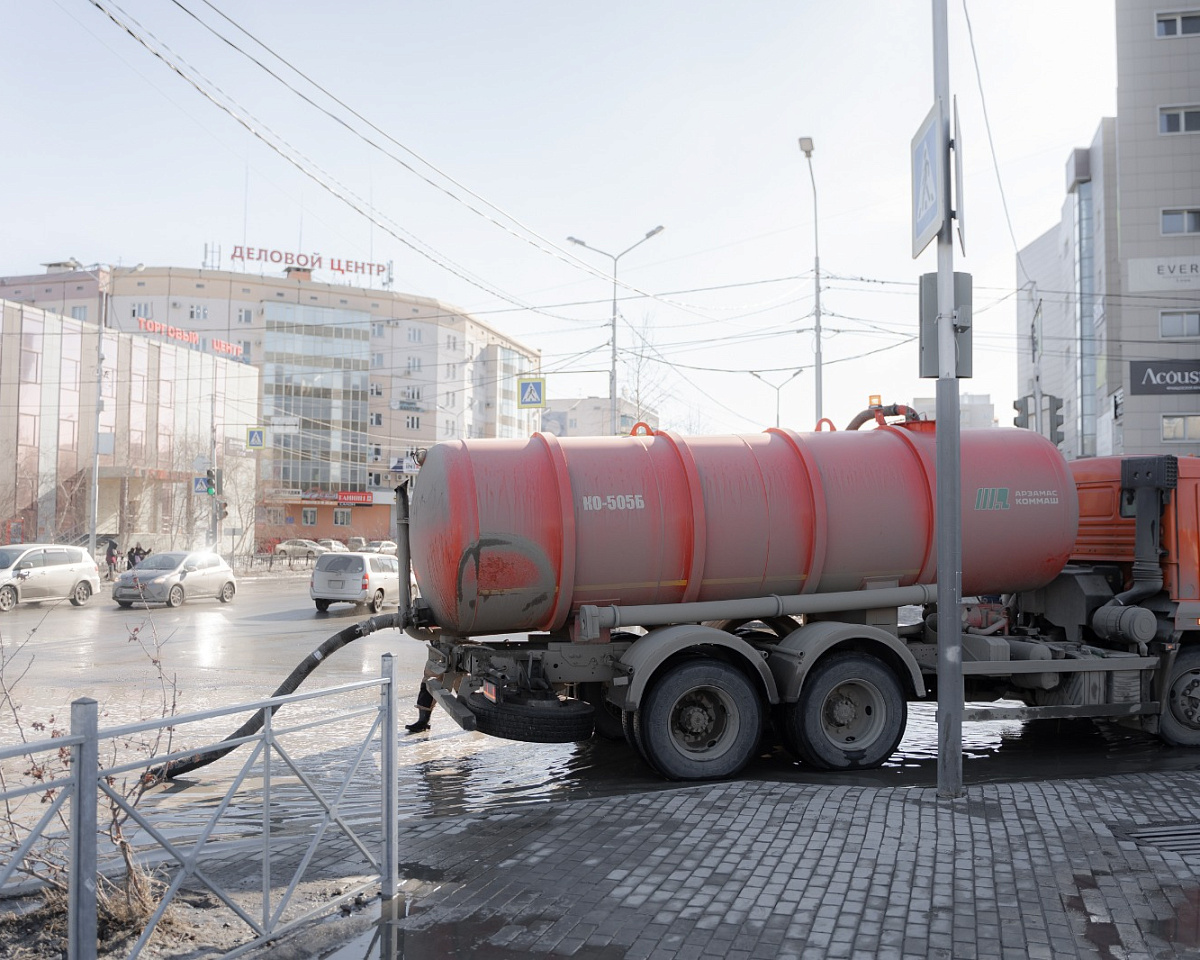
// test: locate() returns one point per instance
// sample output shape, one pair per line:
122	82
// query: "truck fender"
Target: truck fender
797	653
648	653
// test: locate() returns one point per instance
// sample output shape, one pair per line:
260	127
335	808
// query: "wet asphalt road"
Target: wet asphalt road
221	655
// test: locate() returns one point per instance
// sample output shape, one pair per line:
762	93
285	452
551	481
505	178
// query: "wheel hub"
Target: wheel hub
842	711
694	719
1185	698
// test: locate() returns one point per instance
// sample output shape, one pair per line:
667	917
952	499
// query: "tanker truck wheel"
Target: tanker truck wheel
701	720
548	720
1180	724
850	716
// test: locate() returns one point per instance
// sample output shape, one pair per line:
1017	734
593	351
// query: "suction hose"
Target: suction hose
177	768
878	413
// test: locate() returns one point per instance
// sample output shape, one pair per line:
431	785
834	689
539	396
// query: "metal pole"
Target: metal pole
612	373
389	805
949	470
94	504
806	144
81	881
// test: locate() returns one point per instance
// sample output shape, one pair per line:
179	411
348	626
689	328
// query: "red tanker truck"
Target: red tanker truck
692	595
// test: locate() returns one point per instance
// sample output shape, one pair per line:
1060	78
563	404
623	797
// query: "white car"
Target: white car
381	546
46	571
300	548
370	578
334	546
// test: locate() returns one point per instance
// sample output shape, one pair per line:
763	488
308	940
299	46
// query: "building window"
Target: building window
1179	119
376	453
412	422
377	419
451	342
1180	429
275	516
376	389
341	516
375	479
414	334
377	329
79	313
197	311
412	393
1178	323
1180	221
142	310
1178	24
377	360
308	517
245	315
414	365
245	344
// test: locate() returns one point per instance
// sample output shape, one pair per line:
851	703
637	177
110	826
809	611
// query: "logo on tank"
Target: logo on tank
991	498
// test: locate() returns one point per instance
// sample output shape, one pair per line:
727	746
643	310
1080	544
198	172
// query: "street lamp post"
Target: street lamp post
612	375
754	373
806	145
103	276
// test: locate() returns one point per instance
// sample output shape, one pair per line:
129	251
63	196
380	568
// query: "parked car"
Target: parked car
46	571
173	576
300	548
334	546
370	578
356	543
381	546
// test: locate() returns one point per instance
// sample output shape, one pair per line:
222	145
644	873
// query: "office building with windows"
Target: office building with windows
1109	301
167	414
354	381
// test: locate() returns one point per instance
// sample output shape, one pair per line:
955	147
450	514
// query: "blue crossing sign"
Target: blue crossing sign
531	392
200	485
254	438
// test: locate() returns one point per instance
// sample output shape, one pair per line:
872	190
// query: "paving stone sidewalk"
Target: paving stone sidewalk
751	871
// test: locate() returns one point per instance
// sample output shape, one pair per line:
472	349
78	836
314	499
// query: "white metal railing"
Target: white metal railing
87	782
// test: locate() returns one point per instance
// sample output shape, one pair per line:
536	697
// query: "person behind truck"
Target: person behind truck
435	667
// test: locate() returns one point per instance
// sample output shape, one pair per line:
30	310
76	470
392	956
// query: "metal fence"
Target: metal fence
183	860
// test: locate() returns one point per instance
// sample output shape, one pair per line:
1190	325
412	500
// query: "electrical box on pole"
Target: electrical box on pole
928	307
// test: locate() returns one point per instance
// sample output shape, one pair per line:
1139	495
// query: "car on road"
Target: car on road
334	546
380	546
46	571
370	578
300	548
173	576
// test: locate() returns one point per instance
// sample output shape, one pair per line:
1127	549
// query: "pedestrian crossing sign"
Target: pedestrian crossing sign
254	438
531	392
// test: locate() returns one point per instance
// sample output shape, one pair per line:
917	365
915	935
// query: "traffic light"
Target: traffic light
217	477
222	509
210	485
1022	408
1054	407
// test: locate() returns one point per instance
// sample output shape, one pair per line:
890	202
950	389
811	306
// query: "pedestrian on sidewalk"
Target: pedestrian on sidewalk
435	668
110	559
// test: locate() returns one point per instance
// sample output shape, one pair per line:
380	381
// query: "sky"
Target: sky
464	141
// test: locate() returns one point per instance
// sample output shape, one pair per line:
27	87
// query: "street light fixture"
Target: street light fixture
104	301
612	375
776	388
806	145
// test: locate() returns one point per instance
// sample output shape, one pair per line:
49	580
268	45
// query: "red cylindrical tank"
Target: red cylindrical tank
514	535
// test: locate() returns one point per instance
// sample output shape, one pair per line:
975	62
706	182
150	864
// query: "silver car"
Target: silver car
300	548
46	571
370	578
174	576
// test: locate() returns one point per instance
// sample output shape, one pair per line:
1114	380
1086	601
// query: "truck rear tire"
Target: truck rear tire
850	715
533	721
701	720
1180	723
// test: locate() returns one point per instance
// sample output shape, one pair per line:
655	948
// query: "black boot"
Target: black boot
422	722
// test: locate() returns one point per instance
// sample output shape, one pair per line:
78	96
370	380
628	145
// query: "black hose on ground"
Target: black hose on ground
177	768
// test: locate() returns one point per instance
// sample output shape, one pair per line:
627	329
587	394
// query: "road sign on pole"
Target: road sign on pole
531	392
928	180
